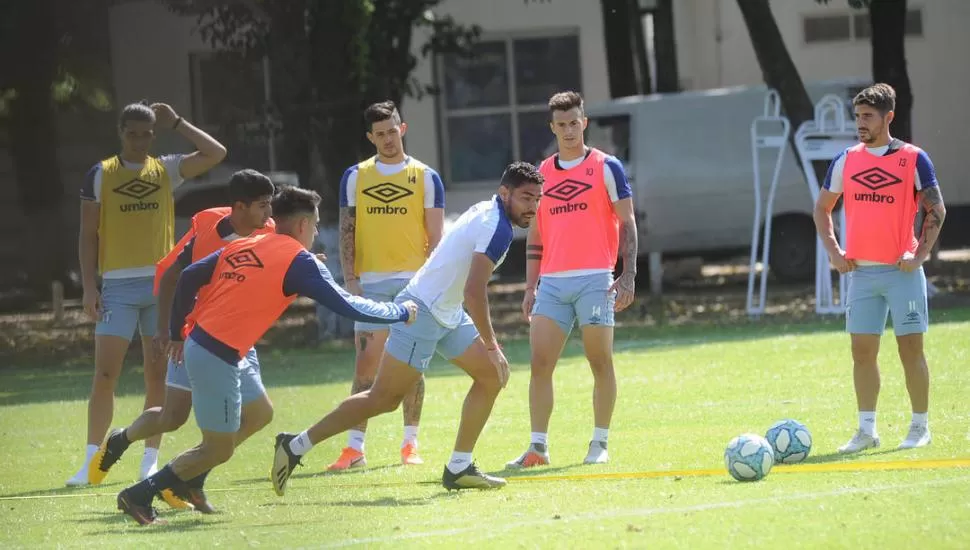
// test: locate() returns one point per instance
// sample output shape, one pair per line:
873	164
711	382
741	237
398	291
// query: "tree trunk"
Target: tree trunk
665	47
619	47
887	19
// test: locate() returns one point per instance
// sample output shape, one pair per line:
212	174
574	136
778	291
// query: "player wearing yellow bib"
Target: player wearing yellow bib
127	225
391	219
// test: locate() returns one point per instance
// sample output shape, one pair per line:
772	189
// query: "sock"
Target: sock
89	453
600	434
300	445
867	422
920	419
410	436
539	438
355	440
459	461
198	481
144	492
150	458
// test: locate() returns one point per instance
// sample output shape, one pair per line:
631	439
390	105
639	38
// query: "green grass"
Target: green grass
683	393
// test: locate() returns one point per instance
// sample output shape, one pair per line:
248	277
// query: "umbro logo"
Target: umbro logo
387	192
567	190
244	258
137	189
876	179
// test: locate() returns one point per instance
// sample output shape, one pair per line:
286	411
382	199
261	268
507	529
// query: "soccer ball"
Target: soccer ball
749	457
791	441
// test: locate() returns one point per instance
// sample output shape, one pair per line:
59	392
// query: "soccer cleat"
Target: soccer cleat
108	453
859	442
919	436
350	458
536	455
284	462
409	455
597	453
470	478
174	501
143	514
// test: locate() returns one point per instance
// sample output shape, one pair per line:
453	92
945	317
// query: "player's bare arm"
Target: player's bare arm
88	257
931	201
348	248
476	302
826	230
166	294
209	151
533	260
625	285
434	226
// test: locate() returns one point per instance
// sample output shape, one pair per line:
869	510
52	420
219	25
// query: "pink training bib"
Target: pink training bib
880	204
577	224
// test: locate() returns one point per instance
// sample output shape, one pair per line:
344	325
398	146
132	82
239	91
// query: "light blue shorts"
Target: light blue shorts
218	388
383	291
415	344
583	297
250	379
126	304
875	291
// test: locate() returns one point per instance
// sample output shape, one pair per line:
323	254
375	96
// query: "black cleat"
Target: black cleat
470	478
284	462
196	497
144	514
111	449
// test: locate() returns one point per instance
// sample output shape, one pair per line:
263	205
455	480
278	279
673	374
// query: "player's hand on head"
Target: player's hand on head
412	311
165	116
528	301
175	352
625	287
91	300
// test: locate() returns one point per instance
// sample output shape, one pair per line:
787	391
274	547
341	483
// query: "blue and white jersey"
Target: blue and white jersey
440	283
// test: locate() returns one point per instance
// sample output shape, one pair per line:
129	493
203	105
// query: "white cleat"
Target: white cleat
80	479
859	442
597	453
919	436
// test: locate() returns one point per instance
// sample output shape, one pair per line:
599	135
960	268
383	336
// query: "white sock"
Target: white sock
459	461
540	437
149	459
355	440
300	445
600	434
920	419
89	453
410	436
867	422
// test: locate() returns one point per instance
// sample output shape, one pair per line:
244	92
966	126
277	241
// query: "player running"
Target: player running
586	215
242	290
457	273
883	182
389	194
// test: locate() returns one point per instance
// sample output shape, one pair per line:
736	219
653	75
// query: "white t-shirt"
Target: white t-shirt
91	191
440	283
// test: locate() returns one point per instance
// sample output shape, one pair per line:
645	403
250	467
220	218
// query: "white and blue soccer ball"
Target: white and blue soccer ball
749	457
790	440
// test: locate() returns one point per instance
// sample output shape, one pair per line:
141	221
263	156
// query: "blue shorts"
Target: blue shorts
415	344
218	388
583	297
383	291
875	291
126	304
251	384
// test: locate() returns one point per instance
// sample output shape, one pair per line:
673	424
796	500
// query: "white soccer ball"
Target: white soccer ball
790	440
748	457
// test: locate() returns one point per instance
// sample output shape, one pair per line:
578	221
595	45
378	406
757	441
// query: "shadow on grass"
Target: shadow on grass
335	364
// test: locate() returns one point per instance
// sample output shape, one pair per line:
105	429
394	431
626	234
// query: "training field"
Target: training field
683	394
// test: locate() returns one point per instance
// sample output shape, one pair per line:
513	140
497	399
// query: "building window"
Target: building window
847	27
493	104
227	97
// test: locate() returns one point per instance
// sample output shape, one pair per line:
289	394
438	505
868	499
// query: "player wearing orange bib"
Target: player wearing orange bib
251	194
242	290
585	216
883	182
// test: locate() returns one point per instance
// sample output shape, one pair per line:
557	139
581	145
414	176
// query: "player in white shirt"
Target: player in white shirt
456	274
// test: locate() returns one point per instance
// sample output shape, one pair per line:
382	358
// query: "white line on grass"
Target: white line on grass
646	512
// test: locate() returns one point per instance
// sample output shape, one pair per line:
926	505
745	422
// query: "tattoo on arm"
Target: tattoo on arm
629	246
348	230
931	201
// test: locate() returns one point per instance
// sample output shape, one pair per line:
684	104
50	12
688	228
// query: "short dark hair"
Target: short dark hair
881	97
520	173
564	101
379	112
293	201
140	112
248	185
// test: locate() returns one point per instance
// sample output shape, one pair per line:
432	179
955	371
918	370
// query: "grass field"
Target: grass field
683	393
